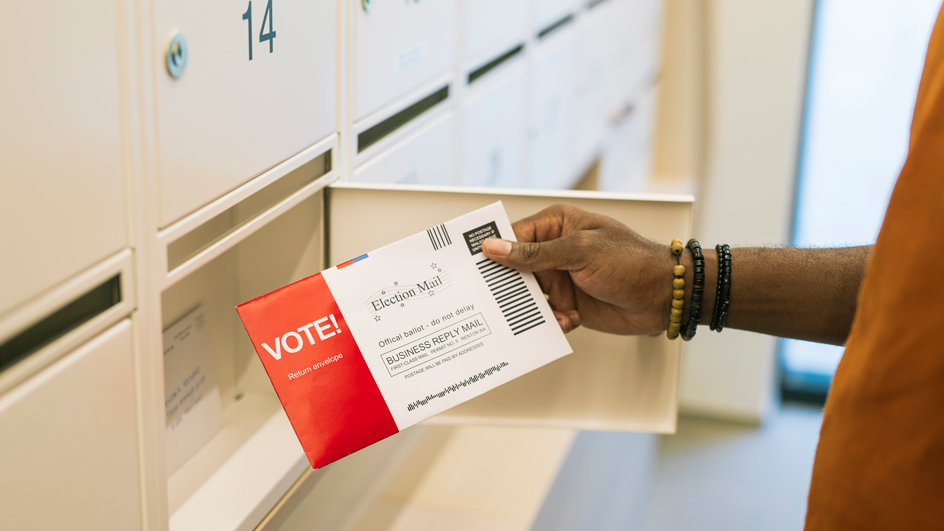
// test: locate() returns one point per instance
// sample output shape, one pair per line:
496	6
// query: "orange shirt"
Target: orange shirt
880	460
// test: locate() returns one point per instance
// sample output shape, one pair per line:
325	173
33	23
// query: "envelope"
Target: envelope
383	341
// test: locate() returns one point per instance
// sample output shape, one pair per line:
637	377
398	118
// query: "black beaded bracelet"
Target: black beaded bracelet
723	319
723	294
698	289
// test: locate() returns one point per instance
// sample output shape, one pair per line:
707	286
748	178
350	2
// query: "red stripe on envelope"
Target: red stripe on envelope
321	378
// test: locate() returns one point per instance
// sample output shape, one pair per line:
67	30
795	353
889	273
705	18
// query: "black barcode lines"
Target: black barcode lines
439	237
512	295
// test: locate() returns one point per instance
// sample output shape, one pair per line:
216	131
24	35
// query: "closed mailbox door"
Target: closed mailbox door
610	382
399	47
550	116
588	124
68	435
61	188
493	23
493	128
257	86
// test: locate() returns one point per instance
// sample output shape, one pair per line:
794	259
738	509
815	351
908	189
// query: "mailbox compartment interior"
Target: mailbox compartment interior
255	432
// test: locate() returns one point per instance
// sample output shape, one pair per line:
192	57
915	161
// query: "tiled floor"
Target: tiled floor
710	475
721	476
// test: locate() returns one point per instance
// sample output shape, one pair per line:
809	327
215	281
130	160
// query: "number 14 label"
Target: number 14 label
263	34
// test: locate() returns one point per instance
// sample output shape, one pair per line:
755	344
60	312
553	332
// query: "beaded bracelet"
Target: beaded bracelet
723	318
723	294
698	289
678	292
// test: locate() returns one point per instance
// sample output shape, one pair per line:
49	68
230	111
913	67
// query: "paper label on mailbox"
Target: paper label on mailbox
379	343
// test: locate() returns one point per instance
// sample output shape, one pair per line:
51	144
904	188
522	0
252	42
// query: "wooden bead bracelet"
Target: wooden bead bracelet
678	292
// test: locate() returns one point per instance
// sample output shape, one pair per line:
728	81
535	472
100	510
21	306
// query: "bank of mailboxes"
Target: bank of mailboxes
575	78
246	187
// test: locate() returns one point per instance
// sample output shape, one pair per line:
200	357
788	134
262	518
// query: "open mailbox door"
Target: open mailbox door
610	382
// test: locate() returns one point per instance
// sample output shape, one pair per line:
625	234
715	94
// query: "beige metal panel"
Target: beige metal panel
493	132
227	118
61	192
69	458
610	382
679	136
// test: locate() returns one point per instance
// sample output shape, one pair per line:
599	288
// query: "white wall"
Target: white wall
756	57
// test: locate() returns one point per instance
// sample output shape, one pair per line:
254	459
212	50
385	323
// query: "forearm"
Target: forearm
797	293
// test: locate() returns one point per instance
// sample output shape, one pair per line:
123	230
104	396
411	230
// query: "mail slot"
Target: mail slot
550	13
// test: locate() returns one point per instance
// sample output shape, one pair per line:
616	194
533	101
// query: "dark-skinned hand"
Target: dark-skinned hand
596	271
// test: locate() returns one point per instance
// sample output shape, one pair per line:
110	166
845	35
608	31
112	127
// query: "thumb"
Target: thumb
532	256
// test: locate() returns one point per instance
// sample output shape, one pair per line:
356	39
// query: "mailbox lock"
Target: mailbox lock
176	54
367	4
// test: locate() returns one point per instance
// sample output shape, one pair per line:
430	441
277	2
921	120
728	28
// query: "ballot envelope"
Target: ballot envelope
383	341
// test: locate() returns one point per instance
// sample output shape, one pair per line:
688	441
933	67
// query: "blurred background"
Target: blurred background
158	160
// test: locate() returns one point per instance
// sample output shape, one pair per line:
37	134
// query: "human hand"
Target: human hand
595	270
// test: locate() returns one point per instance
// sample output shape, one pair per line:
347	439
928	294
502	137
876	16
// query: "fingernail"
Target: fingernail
562	324
498	247
574	317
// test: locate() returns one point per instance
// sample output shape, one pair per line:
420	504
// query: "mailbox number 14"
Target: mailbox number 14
263	34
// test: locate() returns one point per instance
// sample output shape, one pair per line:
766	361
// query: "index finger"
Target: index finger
551	223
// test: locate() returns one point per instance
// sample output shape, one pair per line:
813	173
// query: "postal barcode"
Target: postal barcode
439	237
512	295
